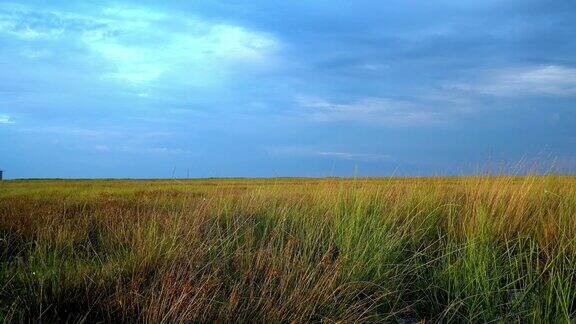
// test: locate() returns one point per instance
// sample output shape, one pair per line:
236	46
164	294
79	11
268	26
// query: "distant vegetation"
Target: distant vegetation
280	250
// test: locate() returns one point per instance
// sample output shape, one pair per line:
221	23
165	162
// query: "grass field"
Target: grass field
281	250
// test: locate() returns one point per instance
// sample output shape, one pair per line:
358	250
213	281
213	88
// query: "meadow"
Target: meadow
400	250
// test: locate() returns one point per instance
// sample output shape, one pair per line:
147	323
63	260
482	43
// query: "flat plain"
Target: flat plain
437	249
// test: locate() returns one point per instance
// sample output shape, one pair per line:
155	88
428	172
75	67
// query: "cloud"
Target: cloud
32	24
370	109
141	45
5	119
547	80
313	152
205	50
76	132
355	156
156	150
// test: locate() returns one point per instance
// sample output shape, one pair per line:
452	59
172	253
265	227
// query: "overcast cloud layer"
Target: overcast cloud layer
308	88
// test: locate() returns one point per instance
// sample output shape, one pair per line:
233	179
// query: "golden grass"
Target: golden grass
289	250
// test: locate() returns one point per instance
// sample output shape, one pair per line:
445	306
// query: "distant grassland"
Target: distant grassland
281	250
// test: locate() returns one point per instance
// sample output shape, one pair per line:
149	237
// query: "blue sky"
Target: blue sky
293	88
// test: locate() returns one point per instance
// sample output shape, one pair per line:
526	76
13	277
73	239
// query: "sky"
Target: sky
161	89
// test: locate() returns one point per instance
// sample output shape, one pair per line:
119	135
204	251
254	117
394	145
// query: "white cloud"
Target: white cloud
311	151
205	51
19	21
355	156
133	13
372	110
28	33
5	119
35	54
549	80
140	45
77	132
155	150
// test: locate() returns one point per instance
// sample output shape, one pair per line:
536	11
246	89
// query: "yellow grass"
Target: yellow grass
281	250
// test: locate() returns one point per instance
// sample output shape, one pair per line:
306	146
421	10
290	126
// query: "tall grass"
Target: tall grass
281	250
